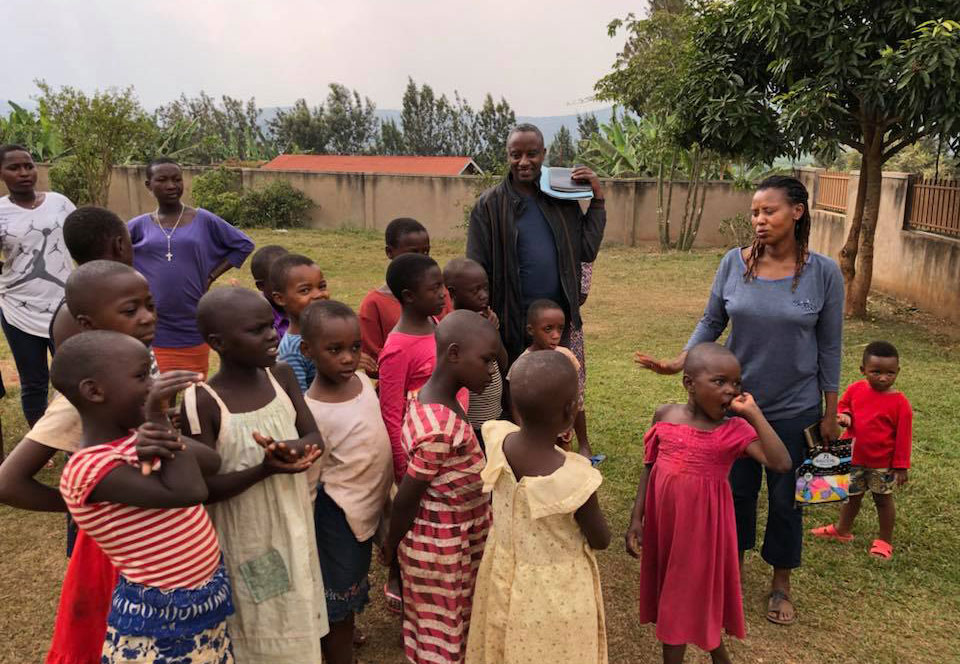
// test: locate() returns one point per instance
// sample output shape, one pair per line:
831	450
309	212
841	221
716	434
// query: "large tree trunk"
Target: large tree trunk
859	288
848	254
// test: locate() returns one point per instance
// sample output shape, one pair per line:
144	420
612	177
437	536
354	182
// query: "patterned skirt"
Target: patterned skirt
184	626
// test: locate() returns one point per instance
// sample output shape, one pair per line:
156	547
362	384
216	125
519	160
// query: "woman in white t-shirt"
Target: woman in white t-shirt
36	265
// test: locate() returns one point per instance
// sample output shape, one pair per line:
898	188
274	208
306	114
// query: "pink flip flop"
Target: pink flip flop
830	532
881	549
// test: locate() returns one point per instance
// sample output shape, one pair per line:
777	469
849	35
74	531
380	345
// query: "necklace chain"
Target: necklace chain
169	236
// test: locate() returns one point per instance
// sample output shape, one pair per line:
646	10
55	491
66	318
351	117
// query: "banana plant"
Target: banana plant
34	131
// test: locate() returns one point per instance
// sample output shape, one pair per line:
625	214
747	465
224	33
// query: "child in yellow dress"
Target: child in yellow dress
537	596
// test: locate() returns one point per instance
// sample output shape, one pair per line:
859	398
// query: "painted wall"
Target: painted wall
371	201
922	268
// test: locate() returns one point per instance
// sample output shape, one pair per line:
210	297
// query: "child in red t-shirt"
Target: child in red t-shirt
880	421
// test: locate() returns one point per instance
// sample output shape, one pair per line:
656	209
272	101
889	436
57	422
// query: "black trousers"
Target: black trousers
30	353
783	537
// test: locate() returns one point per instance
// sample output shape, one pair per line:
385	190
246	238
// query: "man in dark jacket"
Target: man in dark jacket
530	244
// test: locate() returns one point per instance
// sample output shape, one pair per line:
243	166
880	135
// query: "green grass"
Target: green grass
851	608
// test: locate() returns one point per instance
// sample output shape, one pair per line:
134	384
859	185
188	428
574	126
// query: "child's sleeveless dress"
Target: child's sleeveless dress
538	596
689	574
267	536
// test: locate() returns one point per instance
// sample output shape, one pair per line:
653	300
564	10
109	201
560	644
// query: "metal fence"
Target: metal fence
935	206
832	191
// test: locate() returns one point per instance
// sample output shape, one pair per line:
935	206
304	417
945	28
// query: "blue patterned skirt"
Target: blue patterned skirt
185	626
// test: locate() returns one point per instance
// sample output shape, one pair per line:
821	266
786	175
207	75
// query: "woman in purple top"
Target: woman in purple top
181	251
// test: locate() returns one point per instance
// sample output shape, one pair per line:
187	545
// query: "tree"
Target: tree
350	121
217	132
33	131
299	129
492	124
587	126
344	124
774	78
562	152
648	77
98	130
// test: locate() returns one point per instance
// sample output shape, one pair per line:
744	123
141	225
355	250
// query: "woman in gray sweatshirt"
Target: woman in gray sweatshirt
785	307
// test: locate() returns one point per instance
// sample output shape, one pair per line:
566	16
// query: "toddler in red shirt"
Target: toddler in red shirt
879	420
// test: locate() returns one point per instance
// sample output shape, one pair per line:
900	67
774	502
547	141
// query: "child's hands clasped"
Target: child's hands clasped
281	458
843	419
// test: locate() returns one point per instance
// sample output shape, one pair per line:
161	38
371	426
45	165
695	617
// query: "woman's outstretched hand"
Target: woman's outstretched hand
662	367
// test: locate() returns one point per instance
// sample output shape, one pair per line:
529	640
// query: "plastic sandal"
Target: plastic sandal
830	532
394	602
881	549
597	459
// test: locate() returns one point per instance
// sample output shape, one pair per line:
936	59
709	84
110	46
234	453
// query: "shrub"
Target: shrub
67	178
277	205
737	230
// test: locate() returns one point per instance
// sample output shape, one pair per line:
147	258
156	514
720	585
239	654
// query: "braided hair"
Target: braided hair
796	194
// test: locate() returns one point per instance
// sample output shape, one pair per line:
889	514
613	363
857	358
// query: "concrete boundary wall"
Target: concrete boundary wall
922	268
353	200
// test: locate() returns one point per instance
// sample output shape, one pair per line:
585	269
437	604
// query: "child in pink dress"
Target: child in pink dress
410	353
683	527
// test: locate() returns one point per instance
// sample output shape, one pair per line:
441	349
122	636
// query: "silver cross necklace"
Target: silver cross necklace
169	236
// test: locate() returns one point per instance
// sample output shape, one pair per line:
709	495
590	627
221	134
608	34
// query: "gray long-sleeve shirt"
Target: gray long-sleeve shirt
788	342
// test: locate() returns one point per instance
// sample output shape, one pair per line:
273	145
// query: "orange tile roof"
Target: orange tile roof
397	165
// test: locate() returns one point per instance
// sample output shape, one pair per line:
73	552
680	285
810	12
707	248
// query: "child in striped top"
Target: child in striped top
469	288
440	517
173	596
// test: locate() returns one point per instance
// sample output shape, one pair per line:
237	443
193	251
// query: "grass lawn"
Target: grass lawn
851	608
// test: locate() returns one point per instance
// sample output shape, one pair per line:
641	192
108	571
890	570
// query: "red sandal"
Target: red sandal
830	532
881	549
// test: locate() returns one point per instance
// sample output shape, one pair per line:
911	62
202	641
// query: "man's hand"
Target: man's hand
584	174
900	476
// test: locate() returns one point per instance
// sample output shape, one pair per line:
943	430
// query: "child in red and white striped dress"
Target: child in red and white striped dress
440	516
173	595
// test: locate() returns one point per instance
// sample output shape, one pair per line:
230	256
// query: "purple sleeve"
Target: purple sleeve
230	243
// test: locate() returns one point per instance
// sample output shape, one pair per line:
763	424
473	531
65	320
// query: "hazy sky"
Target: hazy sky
542	55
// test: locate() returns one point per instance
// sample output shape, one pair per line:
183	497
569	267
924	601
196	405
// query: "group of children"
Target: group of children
325	432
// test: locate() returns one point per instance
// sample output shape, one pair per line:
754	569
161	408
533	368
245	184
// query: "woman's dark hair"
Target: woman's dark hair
12	147
796	194
159	161
399	227
406	271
